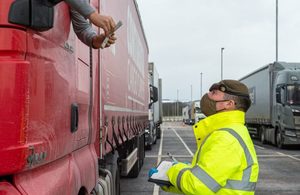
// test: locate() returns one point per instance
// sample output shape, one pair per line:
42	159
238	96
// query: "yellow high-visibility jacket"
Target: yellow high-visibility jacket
225	162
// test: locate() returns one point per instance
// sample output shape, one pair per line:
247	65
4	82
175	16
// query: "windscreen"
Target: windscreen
293	94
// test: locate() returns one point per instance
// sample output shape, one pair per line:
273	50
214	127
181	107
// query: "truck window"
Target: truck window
293	94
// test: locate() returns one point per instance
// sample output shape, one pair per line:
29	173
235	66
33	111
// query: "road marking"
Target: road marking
260	147
156	187
166	156
270	155
188	149
292	157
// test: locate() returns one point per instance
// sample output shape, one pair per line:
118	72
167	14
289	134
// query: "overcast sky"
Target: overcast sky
185	38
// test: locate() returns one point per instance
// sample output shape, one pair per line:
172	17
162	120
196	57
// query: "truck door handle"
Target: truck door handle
74	117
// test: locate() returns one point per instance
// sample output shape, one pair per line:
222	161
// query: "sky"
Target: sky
185	38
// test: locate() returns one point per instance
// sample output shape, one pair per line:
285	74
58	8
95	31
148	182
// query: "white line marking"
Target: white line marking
166	156
260	147
156	187
188	149
270	155
292	157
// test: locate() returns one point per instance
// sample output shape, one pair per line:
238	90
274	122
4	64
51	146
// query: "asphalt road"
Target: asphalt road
279	169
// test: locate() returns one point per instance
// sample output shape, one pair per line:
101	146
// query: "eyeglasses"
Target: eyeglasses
224	88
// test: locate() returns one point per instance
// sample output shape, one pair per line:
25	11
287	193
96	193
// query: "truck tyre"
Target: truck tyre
263	135
279	139
117	182
158	132
148	147
113	166
155	140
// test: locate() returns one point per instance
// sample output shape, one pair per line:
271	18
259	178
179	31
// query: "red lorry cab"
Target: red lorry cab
65	107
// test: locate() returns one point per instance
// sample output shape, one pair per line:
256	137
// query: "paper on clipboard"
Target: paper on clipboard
161	177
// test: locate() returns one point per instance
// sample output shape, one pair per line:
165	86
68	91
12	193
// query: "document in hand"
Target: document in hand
161	178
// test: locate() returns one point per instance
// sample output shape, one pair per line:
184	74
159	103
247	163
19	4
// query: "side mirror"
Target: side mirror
35	14
154	94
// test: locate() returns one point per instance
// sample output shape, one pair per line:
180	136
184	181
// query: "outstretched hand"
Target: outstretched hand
98	39
105	22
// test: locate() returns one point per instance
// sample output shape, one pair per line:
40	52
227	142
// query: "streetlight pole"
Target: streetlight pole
276	30
201	85
222	49
177	106
191	93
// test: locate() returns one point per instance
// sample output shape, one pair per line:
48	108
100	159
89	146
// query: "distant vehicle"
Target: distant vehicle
186	115
153	132
192	114
274	115
196	114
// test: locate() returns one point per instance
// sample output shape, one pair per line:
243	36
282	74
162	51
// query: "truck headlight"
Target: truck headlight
290	133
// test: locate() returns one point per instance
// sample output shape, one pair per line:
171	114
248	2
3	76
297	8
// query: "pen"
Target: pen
172	157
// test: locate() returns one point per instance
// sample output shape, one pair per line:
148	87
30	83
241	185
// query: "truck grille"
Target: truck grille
297	120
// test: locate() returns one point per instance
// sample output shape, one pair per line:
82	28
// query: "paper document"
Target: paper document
161	177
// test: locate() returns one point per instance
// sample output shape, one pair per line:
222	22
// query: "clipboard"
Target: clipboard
161	178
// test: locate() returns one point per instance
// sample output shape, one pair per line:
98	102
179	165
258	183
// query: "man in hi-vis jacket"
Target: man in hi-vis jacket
225	161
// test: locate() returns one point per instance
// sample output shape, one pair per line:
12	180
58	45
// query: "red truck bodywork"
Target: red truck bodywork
42	74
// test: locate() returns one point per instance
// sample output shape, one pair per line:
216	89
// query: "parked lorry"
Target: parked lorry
196	114
153	131
72	119
274	115
186	113
191	113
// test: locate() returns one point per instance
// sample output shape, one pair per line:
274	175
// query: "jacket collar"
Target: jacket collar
215	122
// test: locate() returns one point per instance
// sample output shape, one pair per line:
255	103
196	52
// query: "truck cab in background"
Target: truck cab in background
274	115
153	132
197	115
191	113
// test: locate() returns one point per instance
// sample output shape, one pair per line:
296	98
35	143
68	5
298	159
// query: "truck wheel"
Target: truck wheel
279	139
158	133
117	182
263	135
148	147
155	140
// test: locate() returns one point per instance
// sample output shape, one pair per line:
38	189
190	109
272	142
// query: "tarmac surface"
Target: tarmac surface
279	168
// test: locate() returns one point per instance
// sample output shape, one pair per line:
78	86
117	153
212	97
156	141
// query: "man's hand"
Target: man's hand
98	39
105	22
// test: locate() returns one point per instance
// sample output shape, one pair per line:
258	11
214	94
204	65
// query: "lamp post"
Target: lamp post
276	30
191	93
177	106
222	49
201	85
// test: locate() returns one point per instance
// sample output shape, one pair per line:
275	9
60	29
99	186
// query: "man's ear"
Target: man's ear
230	105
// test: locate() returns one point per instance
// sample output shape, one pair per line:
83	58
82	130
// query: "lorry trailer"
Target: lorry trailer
274	115
72	119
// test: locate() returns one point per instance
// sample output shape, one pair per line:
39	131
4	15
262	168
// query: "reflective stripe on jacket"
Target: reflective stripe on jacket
225	162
